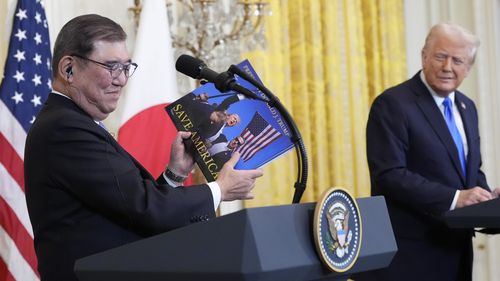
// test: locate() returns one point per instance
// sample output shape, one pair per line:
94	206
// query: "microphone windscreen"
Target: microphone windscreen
189	66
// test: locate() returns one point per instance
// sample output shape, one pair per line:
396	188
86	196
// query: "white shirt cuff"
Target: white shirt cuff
214	188
454	202
216	194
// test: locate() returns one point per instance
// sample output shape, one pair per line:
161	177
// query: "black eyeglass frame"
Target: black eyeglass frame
125	68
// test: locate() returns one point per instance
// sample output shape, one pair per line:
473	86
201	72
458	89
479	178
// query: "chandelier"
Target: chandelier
215	31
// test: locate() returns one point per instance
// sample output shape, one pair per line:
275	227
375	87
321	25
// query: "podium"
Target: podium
267	243
482	215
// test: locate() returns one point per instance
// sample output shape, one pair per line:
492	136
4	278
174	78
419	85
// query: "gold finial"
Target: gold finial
137	12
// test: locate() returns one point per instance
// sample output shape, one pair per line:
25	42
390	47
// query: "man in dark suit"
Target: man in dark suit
415	162
209	118
221	149
85	193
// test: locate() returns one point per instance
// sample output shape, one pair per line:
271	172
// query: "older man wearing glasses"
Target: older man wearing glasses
85	193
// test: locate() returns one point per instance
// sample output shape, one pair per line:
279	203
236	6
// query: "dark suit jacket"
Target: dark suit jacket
200	114
414	163
221	157
86	194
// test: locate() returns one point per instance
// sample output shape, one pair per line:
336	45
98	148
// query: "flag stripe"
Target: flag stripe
258	134
22	239
248	139
14	197
4	272
15	262
9	158
24	88
255	145
267	138
12	130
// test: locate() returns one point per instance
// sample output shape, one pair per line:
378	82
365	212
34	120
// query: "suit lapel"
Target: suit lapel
468	122
436	120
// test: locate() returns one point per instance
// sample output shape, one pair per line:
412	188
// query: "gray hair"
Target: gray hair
456	31
79	35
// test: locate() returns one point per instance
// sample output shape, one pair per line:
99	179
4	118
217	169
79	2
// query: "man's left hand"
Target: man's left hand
181	161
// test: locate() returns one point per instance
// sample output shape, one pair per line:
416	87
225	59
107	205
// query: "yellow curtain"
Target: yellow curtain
326	60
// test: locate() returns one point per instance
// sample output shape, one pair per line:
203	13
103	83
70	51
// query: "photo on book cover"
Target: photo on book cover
223	123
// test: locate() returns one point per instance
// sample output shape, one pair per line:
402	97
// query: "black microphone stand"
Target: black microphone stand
225	82
300	184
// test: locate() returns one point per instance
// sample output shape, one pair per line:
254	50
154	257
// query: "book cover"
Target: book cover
222	123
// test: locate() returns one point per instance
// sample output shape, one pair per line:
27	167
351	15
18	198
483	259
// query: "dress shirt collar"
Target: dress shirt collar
61	94
437	98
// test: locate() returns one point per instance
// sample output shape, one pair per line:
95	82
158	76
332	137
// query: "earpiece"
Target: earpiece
69	72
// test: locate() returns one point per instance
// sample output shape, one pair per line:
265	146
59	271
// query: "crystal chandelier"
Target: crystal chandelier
215	31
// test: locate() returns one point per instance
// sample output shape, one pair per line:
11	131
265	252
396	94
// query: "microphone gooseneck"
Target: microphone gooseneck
302	163
224	81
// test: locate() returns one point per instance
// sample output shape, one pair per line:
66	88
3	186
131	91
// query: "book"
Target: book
222	123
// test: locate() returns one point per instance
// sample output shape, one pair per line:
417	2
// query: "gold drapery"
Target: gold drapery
327	60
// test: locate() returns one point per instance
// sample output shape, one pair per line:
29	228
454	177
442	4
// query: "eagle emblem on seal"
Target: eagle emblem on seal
338	225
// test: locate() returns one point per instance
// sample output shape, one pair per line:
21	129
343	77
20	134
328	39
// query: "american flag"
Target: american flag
258	134
24	88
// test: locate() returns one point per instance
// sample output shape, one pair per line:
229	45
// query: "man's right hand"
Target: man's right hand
496	192
474	195
236	184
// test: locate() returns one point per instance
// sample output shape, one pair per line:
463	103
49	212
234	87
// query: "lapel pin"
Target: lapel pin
463	105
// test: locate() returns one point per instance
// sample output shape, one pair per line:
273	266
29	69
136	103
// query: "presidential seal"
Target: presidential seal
337	229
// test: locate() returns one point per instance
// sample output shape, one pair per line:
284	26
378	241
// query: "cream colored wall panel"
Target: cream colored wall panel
59	12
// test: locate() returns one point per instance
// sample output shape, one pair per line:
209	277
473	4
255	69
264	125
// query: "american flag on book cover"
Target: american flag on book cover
258	134
24	88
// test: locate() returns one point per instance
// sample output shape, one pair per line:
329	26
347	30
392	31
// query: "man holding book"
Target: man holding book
90	195
211	119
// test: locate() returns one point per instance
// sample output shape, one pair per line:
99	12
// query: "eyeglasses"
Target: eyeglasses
115	69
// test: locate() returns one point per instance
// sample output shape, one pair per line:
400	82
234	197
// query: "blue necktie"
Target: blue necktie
450	121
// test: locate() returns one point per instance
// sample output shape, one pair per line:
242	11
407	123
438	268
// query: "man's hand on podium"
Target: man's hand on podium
474	195
496	192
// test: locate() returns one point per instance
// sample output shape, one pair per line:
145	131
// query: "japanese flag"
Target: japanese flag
145	130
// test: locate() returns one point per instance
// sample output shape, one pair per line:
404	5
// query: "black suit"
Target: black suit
414	163
222	155
86	194
200	113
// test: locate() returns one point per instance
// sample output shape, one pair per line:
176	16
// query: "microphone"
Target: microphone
224	81
195	68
